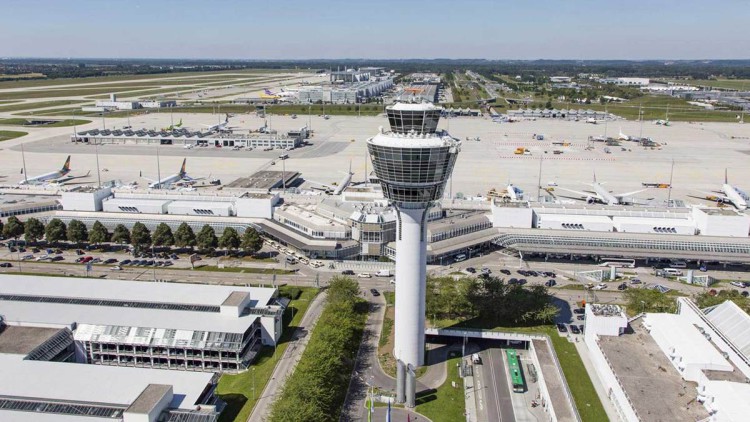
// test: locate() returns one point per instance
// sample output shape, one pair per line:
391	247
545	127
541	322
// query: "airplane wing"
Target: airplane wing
64	180
627	194
320	185
577	192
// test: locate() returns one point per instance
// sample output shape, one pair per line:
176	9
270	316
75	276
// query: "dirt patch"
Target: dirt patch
385	349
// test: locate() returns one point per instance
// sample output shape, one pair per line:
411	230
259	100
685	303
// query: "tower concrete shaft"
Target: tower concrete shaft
413	161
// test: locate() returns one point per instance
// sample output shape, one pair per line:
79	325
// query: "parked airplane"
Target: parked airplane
281	95
219	127
173	127
339	188
180	178
624	137
602	195
59	176
732	195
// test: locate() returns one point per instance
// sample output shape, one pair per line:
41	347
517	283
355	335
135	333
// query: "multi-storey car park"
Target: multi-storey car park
150	325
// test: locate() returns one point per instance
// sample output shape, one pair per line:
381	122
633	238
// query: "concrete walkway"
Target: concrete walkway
288	361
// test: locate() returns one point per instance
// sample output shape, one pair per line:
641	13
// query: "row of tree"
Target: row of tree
316	390
491	300
33	230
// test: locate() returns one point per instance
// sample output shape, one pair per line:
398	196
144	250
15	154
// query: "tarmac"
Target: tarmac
701	153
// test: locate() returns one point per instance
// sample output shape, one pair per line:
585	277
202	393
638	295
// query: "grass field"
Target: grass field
237	390
59	123
446	403
197	76
11	134
41	104
738	84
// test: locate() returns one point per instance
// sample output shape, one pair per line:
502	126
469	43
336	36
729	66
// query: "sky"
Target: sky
379	29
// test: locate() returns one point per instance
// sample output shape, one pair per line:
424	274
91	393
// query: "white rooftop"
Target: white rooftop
92	383
64	314
730	400
687	341
414	107
733	323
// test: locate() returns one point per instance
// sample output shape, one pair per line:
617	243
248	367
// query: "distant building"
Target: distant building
626	81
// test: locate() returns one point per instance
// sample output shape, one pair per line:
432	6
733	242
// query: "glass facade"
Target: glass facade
412	174
419	121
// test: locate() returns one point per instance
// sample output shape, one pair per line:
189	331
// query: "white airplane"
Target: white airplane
220	127
602	195
661	122
180	178
513	193
732	195
283	95
623	137
338	189
59	176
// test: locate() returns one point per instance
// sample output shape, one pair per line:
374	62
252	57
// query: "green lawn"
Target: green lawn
446	403
739	84
59	123
237	390
11	134
41	104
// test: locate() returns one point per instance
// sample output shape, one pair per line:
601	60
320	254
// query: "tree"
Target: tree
77	231
140	236
184	236
55	231
121	234
548	105
99	233
33	230
13	228
251	241
206	238
230	239
163	235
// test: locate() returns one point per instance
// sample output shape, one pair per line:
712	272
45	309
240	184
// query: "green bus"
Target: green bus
516	373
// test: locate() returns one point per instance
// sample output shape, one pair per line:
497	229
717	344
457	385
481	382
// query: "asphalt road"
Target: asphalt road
288	362
494	403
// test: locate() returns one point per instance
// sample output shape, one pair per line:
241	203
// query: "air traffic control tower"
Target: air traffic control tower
413	161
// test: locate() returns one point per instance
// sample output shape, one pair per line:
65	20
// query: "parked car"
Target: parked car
5	265
374	292
739	284
167	263
471	270
579	311
125	262
110	261
580	317
347	272
574	329
116	268
562	328
57	258
504	271
364	275
622	286
550	283
636	281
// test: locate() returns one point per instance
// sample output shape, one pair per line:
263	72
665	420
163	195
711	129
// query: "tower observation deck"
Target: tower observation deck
413	162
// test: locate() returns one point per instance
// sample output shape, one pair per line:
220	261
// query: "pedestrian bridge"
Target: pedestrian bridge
483	334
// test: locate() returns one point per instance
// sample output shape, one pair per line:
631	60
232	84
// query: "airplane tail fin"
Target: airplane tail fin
66	166
182	169
726	177
594	177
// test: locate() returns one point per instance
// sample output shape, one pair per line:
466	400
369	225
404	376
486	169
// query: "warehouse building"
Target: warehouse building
179	326
185	137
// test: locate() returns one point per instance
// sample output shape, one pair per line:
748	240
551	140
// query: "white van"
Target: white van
460	257
476	359
672	272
